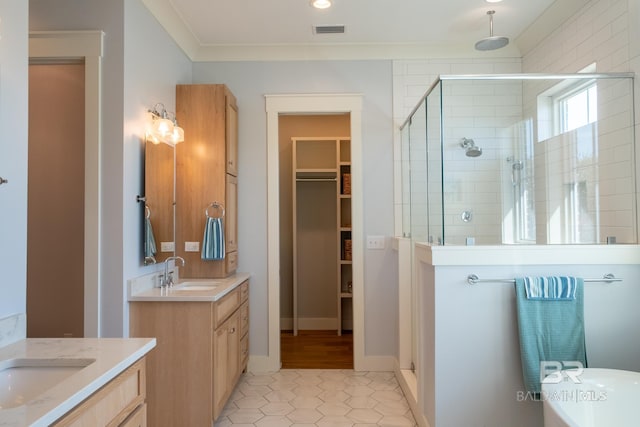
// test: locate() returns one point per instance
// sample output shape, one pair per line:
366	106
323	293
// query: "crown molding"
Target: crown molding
198	52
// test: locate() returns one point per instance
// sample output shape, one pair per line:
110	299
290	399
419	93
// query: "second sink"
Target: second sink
200	285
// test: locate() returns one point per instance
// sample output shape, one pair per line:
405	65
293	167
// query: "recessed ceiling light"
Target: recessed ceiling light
321	4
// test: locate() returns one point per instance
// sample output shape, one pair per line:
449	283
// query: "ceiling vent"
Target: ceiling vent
329	29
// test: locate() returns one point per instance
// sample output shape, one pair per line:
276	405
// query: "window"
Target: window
576	107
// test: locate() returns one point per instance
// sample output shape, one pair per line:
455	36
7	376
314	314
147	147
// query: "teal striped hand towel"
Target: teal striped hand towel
149	239
213	240
553	288
550	329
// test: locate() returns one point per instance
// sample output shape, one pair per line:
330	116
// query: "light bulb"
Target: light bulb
162	128
177	135
321	4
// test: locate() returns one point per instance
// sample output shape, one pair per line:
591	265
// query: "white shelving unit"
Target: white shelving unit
322	228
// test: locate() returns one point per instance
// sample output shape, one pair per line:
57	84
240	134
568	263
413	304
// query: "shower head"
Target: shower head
492	42
470	148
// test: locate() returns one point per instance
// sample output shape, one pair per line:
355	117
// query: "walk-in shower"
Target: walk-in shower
557	163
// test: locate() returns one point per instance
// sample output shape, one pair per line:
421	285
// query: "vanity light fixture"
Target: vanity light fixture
164	127
493	1
321	4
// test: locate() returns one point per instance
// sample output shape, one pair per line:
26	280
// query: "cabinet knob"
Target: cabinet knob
232	330
3	181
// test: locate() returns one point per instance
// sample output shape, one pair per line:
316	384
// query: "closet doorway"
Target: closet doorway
316	317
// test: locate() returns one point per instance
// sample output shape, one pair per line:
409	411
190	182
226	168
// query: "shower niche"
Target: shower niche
521	159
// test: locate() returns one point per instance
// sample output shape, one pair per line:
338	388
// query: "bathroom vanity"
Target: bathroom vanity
74	382
201	327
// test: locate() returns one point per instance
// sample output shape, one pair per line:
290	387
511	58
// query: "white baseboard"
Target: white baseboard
262	364
409	386
376	364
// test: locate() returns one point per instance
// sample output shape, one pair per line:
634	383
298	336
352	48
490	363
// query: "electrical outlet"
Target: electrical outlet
375	242
167	247
191	246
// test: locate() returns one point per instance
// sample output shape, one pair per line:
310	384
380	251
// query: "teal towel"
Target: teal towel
149	239
550	330
213	240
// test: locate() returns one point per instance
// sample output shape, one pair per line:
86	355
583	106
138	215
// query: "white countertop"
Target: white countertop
222	287
112	356
527	254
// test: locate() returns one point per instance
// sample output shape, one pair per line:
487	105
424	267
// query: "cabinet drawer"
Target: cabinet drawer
227	305
244	318
113	403
232	262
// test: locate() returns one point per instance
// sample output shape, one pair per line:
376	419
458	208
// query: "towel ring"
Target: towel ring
147	211
214	205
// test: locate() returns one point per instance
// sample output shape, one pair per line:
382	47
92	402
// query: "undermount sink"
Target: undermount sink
201	285
22	380
193	288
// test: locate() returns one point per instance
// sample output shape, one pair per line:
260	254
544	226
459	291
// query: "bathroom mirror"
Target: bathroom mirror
159	202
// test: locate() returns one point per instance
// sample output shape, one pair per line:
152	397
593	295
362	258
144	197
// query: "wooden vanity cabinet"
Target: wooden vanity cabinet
198	357
206	173
121	402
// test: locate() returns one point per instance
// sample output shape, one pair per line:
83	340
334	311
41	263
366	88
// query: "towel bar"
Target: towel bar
472	279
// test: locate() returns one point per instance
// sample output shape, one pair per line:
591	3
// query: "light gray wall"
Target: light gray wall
250	81
152	64
14	74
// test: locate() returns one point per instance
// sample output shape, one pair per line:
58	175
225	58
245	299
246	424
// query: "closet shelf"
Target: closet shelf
344	261
346	295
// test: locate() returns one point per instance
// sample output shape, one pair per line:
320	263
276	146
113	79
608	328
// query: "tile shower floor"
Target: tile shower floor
312	397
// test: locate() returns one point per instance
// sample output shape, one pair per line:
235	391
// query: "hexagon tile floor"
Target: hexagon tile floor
312	397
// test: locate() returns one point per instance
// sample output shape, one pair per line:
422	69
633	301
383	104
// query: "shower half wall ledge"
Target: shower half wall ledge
521	159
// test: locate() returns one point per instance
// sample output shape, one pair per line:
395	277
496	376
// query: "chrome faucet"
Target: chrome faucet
167	278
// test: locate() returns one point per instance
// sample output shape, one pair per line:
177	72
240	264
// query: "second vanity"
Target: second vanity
201	327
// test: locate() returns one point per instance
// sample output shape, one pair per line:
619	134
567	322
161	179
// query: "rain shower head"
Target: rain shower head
470	148
492	42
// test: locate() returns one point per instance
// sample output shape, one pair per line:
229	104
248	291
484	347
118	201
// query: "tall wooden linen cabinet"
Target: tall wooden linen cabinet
206	175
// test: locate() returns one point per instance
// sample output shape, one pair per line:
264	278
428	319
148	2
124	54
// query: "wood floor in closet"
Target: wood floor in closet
316	350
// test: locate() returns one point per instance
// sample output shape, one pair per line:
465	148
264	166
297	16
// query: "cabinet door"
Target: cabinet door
231	215
231	134
233	351
220	367
226	361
